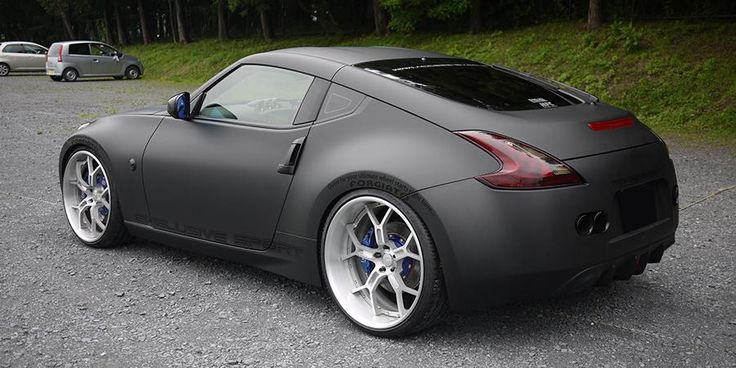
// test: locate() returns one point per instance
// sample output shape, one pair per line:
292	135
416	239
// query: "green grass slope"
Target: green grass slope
679	78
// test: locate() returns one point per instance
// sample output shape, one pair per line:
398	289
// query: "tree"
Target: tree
406	14
222	20
61	8
181	22
380	19
119	24
260	6
171	21
144	24
595	14
107	25
476	16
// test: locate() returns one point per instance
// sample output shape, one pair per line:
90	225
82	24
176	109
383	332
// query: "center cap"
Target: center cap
387	260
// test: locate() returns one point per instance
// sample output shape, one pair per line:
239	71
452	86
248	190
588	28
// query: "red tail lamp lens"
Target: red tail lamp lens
61	48
611	124
522	166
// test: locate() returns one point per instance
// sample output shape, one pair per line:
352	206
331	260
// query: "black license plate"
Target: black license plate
638	206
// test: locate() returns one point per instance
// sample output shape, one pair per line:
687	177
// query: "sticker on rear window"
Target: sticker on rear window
542	102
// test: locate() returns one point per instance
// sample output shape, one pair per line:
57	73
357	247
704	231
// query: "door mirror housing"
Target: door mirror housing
178	106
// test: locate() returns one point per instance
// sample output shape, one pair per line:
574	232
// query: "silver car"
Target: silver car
18	56
75	59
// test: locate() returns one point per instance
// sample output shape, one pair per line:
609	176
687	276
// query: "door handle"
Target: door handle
288	164
96	60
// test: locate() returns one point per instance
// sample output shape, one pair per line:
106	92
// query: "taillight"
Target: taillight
611	124
522	166
61	48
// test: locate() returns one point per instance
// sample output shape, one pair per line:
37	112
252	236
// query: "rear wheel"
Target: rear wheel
4	69
89	200
380	265
70	74
55	78
132	72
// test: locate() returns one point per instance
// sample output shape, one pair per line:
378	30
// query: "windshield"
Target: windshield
470	82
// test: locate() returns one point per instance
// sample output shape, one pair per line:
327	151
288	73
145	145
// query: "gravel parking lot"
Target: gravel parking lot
62	304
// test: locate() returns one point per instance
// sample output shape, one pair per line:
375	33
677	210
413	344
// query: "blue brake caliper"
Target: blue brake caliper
100	180
370	241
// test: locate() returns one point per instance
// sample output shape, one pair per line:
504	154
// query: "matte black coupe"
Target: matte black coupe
406	182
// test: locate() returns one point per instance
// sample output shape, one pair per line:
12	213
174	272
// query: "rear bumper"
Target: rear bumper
498	246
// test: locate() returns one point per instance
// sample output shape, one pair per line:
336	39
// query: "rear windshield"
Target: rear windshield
470	83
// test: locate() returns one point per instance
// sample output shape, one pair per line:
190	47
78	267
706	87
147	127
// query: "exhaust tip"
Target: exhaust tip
600	222
584	224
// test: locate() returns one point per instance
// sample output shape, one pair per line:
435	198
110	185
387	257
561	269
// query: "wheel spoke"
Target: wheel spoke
81	181
398	286
360	250
95	215
404	252
379	226
370	286
90	172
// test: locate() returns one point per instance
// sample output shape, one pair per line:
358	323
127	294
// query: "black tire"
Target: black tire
116	233
432	304
4	69
55	78
70	74
132	72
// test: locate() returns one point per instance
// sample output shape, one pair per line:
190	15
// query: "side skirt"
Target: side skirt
290	256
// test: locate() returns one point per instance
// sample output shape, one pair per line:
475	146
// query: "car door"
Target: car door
79	57
15	55
36	57
224	175
104	60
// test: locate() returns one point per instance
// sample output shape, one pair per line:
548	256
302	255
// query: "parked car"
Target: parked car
404	181
78	59
21	56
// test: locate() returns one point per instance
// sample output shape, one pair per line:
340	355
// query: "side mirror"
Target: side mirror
178	106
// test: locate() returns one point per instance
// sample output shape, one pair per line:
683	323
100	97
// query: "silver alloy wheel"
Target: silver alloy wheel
70	75
87	197
368	276
4	70
132	73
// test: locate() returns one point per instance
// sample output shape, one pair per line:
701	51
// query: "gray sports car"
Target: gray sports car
406	182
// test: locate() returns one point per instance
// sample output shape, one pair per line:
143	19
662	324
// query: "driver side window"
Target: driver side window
257	94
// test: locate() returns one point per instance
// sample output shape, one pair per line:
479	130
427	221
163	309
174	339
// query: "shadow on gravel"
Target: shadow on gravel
534	320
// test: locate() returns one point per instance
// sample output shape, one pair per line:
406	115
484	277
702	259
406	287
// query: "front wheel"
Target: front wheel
381	266
132	72
90	202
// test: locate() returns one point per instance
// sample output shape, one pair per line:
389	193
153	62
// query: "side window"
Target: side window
257	94
340	101
79	49
99	49
33	49
15	48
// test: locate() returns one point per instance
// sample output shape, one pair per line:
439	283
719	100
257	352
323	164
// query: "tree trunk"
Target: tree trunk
181	22
145	34
265	25
221	21
107	25
122	33
476	19
380	20
171	21
595	14
67	23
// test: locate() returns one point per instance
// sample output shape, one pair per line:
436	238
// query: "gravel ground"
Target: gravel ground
62	304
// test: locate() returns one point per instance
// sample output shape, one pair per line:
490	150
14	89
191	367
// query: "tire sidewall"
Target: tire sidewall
115	223
66	77
432	272
132	69
7	70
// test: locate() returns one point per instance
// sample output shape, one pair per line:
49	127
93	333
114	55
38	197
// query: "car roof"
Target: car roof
74	42
17	42
324	62
357	55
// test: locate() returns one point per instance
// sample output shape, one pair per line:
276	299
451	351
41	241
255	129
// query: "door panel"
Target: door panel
218	181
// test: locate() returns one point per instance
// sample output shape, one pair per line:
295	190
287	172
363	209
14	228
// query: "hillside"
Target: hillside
679	78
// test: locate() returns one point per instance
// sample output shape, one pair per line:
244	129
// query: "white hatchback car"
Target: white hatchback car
19	56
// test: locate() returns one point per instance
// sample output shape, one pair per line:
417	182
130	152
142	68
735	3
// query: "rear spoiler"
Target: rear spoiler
563	88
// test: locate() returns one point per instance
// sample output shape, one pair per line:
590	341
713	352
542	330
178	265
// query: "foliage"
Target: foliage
677	80
406	14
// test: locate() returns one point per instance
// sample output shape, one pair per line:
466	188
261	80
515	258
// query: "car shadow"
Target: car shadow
533	320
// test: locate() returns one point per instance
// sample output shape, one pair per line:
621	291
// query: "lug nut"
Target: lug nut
393	269
378	254
382	269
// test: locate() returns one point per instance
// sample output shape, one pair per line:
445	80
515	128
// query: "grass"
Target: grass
679	78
